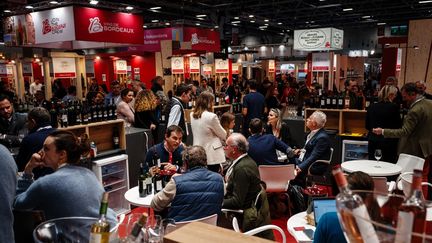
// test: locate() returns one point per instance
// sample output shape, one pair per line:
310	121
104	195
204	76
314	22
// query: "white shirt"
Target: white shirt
230	169
35	87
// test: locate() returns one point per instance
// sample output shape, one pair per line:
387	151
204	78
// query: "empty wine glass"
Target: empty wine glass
378	156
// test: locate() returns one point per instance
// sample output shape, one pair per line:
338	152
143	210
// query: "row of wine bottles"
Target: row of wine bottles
100	230
408	216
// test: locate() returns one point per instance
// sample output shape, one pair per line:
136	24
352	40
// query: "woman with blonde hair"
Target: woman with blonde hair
207	131
385	113
145	107
277	127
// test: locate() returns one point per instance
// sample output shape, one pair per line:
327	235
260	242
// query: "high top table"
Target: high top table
372	167
132	196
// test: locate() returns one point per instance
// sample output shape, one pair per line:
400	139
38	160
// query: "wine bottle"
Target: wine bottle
100	229
53	115
136	230
141	182
412	213
352	213
63	116
116	138
157	178
347	101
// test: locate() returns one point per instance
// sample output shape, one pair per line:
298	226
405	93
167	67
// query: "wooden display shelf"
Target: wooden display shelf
101	133
346	121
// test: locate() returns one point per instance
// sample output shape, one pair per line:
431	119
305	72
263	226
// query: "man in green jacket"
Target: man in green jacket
243	186
415	133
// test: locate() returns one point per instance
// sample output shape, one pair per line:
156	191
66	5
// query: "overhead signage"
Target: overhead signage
202	39
177	65
194	64
19	30
271	66
120	66
27	69
64	67
54	25
320	61
358	53
221	66
235	68
104	26
153	37
207	70
6	70
318	39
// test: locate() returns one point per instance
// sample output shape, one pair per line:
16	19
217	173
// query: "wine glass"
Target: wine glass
378	156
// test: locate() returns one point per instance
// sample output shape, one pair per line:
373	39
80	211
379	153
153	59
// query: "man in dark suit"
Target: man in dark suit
11	122
421	87
262	147
317	147
39	125
244	184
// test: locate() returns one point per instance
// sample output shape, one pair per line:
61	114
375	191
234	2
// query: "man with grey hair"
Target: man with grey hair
244	184
196	194
317	147
39	127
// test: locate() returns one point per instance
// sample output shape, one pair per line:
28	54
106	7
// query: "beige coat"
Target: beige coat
416	131
208	133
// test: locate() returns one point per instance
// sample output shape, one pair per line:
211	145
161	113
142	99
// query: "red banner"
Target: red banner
103	26
153	37
202	39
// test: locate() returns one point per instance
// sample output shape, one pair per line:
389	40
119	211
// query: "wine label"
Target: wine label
159	185
404	227
365	227
99	237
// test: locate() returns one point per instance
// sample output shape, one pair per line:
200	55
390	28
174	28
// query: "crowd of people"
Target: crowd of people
218	170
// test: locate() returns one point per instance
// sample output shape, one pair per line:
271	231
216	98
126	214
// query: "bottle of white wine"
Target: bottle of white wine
135	233
353	213
101	228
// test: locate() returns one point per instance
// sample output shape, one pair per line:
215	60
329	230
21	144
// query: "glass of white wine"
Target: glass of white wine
378	156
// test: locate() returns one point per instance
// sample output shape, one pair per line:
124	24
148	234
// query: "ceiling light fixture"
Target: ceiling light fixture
266	20
28	7
416	47
155	21
155	8
54	2
129	8
266	24
366	17
201	15
197	24
382	23
236	17
251	16
216	26
235	22
347	9
167	24
144	26
252	21
7	11
428	1
280	23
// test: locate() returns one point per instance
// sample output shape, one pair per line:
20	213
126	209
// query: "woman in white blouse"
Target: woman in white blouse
207	131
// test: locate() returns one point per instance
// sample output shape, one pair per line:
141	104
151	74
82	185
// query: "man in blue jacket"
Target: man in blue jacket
317	147
262	147
196	194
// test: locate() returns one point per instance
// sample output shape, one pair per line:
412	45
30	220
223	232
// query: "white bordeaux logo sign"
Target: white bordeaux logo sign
95	26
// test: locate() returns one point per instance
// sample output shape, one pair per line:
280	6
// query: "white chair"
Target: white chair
277	177
404	182
380	185
322	161
259	229
409	163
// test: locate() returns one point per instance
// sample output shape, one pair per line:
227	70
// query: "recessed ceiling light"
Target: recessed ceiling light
263	26
236	17
252	21
144	26
251	16
94	2
167	23
235	22
266	20
347	9
29	7
280	23
54	2
129	8
428	1
201	15
216	26
155	8
266	24
416	47
197	24
200	18
381	23
155	21
366	17
7	11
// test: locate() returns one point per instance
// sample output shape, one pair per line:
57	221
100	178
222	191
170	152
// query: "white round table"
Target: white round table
299	220
132	196
372	167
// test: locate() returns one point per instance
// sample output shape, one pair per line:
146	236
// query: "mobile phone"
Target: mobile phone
309	233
